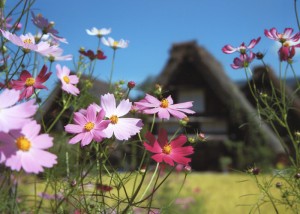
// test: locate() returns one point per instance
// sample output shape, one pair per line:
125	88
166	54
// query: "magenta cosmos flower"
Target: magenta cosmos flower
25	149
27	83
286	36
89	125
243	61
168	152
164	108
228	49
68	81
14	115
122	128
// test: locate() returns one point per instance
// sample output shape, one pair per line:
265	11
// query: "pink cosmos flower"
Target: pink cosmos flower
55	53
68	81
168	152
27	83
24	149
164	107
7	24
122	128
13	115
27	42
88	126
228	49
286	36
243	61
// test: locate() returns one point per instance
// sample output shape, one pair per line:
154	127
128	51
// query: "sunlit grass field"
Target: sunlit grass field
208	193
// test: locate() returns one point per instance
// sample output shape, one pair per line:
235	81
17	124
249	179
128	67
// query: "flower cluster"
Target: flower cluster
288	42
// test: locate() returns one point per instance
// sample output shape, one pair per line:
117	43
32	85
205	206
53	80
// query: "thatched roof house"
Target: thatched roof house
192	73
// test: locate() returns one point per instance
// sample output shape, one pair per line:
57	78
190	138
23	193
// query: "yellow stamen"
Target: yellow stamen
23	143
114	119
89	126
115	44
286	44
164	103
27	41
167	149
66	79
29	81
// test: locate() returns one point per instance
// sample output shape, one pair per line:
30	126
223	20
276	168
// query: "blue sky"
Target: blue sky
152	26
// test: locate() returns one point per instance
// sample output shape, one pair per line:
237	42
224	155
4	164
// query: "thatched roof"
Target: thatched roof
213	73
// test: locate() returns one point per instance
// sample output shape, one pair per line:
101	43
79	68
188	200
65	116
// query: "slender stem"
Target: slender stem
112	69
151	180
296	13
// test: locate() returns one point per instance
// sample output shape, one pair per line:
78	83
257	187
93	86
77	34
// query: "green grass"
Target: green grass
206	193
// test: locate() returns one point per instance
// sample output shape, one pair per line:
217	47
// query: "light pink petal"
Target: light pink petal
123	108
43	141
74	129
87	139
152	99
177	113
14	161
73	79
31	129
76	138
108	103
91	114
9	98
45	158
30	164
163	113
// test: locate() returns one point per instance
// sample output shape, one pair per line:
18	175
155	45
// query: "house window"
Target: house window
193	95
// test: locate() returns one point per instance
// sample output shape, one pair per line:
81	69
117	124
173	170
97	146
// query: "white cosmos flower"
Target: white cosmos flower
110	42
98	32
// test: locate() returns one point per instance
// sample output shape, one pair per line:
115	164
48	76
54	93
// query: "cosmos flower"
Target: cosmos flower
27	83
228	49
68	81
14	115
46	27
243	61
286	52
110	42
25	149
168	152
88	126
286	36
98	32
164	108
6	22
27	42
92	56
122	128
55	54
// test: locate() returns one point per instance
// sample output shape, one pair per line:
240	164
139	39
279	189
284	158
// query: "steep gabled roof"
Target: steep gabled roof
213	73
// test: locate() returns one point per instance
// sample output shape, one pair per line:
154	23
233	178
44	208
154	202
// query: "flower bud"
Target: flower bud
131	84
259	55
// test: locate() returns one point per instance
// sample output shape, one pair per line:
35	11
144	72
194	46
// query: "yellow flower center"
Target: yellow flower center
66	79
29	81
164	103
89	126
167	149
23	143
115	44
286	44
114	119
27	41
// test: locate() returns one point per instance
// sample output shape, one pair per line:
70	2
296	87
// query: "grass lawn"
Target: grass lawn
211	193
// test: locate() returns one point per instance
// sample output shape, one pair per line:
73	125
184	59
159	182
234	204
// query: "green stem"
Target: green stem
112	70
